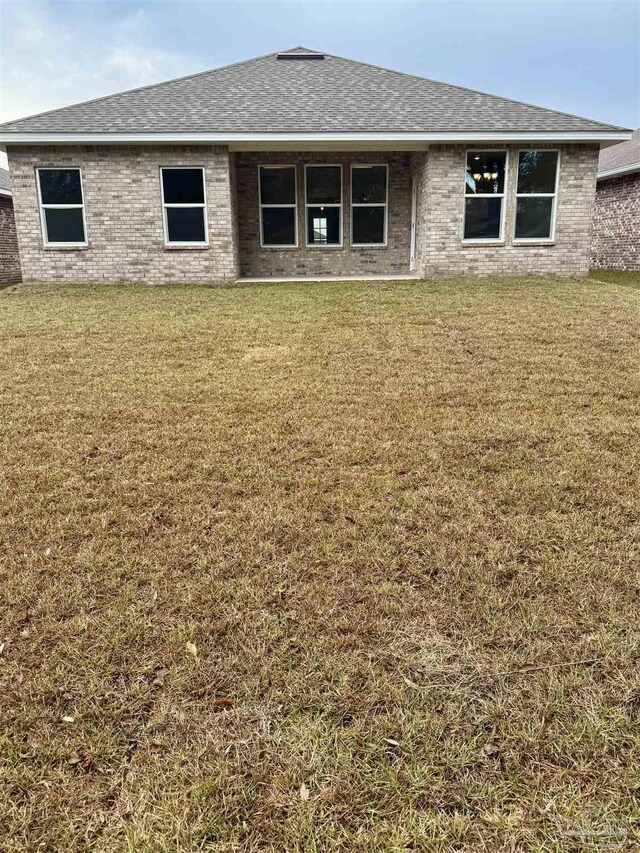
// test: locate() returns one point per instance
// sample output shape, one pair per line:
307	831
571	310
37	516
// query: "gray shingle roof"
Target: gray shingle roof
5	180
621	156
266	94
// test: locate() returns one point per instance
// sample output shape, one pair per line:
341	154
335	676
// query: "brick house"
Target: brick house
9	259
616	221
302	164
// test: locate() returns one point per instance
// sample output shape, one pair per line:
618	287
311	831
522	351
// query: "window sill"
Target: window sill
187	247
279	248
369	245
489	243
325	246
81	247
534	243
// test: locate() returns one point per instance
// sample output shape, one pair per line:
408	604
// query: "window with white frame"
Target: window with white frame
323	202
536	195
62	207
319	230
278	206
484	187
369	202
184	206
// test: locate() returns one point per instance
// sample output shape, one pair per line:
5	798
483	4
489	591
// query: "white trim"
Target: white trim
43	207
309	245
370	204
6	192
504	137
481	241
264	245
203	205
621	170
554	203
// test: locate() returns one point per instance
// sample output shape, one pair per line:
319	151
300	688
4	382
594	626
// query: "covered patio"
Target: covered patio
323	213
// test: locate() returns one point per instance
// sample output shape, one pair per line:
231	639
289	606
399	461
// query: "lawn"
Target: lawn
309	568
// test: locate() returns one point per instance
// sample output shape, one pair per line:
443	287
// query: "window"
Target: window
369	205
278	209
323	201
62	207
184	206
536	195
485	180
319	229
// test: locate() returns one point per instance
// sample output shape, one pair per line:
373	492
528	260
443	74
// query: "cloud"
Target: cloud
46	64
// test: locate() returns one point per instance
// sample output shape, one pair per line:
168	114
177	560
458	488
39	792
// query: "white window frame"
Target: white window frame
43	207
307	205
483	241
185	243
261	206
371	204
554	195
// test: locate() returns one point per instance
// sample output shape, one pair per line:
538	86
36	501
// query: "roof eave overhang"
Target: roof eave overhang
6	193
621	170
237	140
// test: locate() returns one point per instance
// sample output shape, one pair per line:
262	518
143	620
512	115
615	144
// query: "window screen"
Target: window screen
278	208
369	202
184	206
62	207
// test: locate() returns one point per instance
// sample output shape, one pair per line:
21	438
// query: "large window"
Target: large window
485	181
323	203
369	205
536	195
62	207
184	206
278	210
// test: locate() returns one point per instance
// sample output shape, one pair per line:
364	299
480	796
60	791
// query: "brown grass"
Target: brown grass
373	510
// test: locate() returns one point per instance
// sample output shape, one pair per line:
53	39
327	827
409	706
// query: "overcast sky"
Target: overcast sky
580	56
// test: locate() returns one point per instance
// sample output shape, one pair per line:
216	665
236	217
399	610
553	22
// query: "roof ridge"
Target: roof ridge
292	50
143	88
473	91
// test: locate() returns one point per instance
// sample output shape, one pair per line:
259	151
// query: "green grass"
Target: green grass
630	278
397	523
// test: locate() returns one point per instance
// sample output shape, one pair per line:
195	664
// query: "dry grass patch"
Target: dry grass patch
331	567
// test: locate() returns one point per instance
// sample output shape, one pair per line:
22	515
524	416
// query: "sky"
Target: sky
578	56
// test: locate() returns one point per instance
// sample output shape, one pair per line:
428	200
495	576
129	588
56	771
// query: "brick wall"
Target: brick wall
441	251
9	260
124	215
324	260
419	164
616	224
126	239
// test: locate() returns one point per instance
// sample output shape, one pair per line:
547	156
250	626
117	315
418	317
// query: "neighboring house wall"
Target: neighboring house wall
124	215
616	224
324	260
440	221
9	260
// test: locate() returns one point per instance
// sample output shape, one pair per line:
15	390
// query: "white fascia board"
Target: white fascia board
18	138
621	170
6	193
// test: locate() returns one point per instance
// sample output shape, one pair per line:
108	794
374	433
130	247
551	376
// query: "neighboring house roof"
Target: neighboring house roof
5	182
620	159
313	94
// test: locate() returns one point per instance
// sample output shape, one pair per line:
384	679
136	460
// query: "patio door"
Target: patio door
414	212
